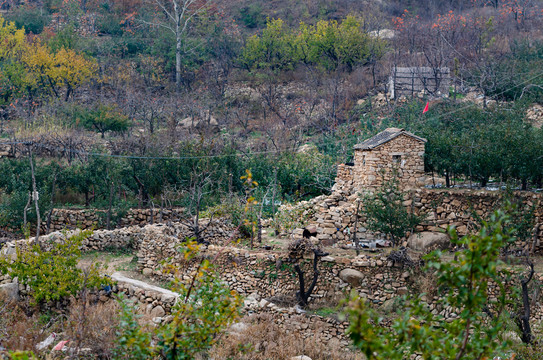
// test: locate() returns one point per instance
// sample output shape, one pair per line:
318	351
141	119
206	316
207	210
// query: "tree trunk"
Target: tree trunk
523	320
35	195
26	210
302	295
53	189
355	240
178	56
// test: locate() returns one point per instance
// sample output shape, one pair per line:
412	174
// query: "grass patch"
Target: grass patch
326	312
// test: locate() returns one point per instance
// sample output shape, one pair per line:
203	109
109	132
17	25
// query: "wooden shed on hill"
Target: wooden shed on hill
410	81
376	158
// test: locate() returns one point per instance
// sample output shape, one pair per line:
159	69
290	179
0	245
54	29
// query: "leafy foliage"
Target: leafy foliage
328	45
464	283
132	341
386	213
103	119
204	309
32	69
52	274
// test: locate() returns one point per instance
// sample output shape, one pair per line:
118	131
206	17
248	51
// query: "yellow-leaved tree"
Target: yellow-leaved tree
30	68
61	72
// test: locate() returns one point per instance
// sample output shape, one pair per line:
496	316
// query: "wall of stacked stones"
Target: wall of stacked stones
334	216
263	274
90	218
267	275
369	164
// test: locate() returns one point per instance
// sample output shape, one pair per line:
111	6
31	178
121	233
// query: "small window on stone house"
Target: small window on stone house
363	160
396	159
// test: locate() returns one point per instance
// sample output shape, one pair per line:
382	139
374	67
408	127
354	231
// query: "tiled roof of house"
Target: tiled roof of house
383	137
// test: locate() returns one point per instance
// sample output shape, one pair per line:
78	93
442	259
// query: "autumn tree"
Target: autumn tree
31	68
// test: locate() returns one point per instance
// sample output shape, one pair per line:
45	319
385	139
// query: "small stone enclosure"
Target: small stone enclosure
375	160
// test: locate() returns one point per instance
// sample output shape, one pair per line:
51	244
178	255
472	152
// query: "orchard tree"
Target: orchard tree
105	118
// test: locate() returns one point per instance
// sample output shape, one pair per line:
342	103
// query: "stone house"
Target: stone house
376	158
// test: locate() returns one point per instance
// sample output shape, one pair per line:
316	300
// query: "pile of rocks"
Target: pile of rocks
535	115
293	319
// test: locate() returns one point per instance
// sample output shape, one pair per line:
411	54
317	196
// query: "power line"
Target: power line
139	157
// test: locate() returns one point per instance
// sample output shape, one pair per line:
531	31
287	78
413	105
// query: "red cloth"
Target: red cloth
426	107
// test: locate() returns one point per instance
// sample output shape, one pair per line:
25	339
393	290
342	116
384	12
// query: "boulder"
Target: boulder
351	276
428	240
10	291
158	311
300	357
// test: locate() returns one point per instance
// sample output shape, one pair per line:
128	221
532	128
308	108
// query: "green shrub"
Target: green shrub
31	18
204	309
251	16
53	274
464	285
109	24
386	213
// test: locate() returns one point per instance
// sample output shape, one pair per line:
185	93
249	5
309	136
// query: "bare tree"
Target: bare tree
178	16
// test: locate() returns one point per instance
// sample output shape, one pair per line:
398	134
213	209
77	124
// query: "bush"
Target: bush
251	16
204	309
32	19
464	285
386	213
53	275
109	24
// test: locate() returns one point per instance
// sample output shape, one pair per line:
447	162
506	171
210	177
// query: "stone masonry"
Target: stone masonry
377	158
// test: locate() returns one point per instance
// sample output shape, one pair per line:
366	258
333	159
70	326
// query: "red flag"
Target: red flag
426	107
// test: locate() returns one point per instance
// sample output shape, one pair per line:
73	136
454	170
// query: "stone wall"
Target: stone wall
86	218
261	275
132	237
334	215
403	153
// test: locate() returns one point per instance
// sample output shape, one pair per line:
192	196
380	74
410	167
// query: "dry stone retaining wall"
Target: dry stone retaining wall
87	218
334	215
269	275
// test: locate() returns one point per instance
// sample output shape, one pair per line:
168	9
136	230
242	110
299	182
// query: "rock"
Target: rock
10	290
300	357
328	259
158	311
428	240
512	336
388	306
47	342
238	328
351	276
147	272
312	230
